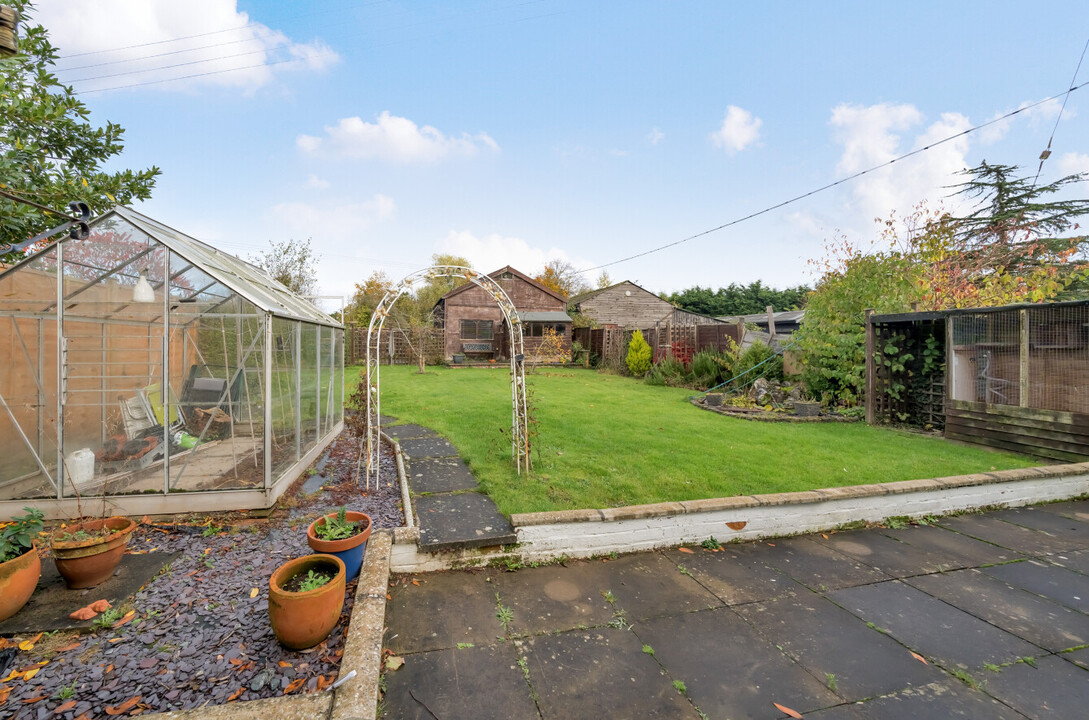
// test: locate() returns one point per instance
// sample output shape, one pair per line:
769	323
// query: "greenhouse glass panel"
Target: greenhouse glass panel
308	378
147	366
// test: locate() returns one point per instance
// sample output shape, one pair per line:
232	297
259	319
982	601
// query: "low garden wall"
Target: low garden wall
585	533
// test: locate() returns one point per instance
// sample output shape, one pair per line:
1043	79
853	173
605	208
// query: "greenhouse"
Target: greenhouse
156	374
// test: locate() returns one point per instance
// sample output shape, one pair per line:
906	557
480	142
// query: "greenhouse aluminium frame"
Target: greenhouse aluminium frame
253	376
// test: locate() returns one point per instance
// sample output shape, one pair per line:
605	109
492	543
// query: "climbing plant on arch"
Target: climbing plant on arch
519	407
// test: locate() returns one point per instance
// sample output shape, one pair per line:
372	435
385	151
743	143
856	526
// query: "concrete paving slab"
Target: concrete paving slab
735	574
892	557
554	598
969	551
439	475
815	566
467	520
428	447
1053	689
52	602
826	639
1008	535
601	673
477	683
649	585
1077	509
739	678
846	711
443	610
948	699
1078	657
1055	583
409	431
932	628
1066	529
1078	561
1028	616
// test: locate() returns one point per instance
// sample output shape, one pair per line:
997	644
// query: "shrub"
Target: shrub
668	371
753	356
639	355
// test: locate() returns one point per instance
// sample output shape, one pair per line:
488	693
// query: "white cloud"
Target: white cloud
134	41
1072	162
492	252
330	223
316	183
739	130
1042	113
394	139
871	135
656	136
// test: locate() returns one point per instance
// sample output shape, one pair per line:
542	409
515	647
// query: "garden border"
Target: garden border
585	533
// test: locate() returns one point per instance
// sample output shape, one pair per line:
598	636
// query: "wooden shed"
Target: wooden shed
1014	377
474	324
625	305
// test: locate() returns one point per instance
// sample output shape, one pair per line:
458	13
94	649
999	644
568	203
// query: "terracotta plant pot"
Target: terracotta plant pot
18	578
303	619
86	563
351	549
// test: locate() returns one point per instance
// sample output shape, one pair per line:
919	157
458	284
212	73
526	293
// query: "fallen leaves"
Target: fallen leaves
294	685
123	707
29	674
29	644
67	648
788	711
394	663
284	663
236	694
125	619
4	692
64	707
687	550
253	593
919	657
36	698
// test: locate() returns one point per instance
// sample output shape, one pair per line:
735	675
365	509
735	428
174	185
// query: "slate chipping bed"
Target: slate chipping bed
198	638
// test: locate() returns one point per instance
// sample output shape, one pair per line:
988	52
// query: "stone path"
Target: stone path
452	510
980	616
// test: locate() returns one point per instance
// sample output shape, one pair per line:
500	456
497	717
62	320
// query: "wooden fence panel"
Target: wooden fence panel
1040	433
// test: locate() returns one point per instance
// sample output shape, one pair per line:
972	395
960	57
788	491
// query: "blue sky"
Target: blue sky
515	131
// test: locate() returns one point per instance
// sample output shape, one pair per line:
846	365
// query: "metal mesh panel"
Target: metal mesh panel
986	358
1058	361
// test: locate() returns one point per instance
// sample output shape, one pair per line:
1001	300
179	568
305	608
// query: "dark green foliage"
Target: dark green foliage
668	371
18	537
758	360
739	299
49	151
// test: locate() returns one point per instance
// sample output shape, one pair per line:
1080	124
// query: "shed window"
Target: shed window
476	329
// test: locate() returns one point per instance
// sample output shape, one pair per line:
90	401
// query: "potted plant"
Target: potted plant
305	597
343	533
86	553
20	565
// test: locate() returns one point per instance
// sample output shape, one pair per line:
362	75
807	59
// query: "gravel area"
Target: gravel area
200	634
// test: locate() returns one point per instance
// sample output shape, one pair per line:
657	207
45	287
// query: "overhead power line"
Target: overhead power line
1047	152
841	181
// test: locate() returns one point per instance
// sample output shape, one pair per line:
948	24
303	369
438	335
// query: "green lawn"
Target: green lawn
606	441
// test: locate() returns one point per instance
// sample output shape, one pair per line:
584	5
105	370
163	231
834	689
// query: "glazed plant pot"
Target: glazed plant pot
91	561
18	578
351	549
303	619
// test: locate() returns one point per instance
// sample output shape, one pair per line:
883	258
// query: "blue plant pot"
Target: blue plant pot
349	550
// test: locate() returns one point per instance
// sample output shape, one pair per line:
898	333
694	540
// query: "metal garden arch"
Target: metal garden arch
519	411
